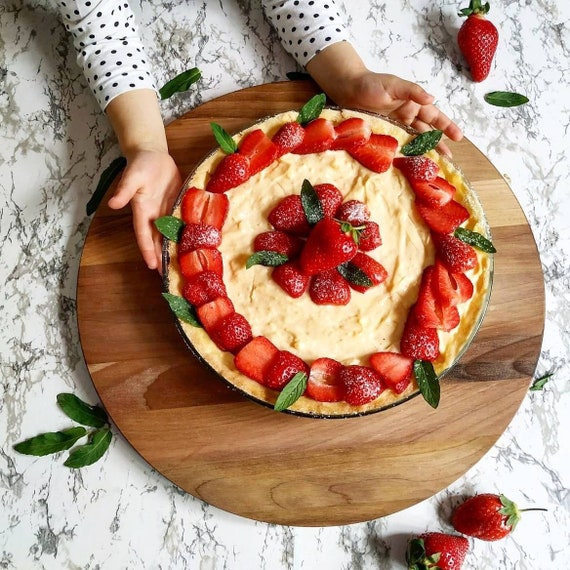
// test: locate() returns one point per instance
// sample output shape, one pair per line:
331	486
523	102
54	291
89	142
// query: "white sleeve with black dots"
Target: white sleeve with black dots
108	46
305	27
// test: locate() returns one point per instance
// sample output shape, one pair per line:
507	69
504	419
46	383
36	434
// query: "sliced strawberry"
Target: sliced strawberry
291	279
201	207
319	136
201	259
198	236
204	287
445	286
394	369
371	268
289	216
435	193
329	288
464	286
426	310
377	154
259	149
418	342
330	197
370	237
282	369
351	133
254	358
327	246
230	172
360	384
278	241
354	212
323	384
210	314
231	333
417	168
445	219
455	254
288	137
450	317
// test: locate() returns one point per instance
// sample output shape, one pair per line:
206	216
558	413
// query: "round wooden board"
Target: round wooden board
245	458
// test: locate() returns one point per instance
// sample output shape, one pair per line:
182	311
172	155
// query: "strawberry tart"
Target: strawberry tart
328	262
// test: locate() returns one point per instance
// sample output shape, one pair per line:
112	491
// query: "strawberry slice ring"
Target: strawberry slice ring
262	335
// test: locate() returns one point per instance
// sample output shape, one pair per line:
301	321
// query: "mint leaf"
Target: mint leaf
312	109
180	83
428	382
50	442
292	391
182	309
354	274
266	258
92	451
422	143
539	383
107	178
170	227
475	239
226	142
82	412
311	203
297	75
505	99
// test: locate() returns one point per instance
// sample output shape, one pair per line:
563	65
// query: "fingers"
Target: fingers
124	192
431	115
146	237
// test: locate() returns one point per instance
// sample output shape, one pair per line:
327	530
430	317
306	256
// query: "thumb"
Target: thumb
126	189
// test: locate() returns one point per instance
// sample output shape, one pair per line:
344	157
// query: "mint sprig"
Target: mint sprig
81	412
428	382
475	239
539	383
266	258
354	274
505	99
182	82
312	109
423	143
170	227
311	203
105	182
182	309
50	442
292	391
226	142
92	451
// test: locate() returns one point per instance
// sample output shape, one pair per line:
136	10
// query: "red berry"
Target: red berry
282	369
231	333
211	313
370	237
417	168
291	279
259	149
229	173
418	342
323	384
289	216
354	212
201	207
197	236
455	254
360	384
445	219
394	369
371	268
330	197
204	287
254	358
437	550
201	259
377	154
329	288
437	192
279	242
289	137
319	136
350	133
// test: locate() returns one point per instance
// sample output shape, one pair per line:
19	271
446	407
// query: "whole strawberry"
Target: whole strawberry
436	550
487	516
478	39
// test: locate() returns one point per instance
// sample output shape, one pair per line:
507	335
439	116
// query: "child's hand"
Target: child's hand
150	183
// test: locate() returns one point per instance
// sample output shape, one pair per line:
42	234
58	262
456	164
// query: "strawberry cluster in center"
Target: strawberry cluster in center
319	243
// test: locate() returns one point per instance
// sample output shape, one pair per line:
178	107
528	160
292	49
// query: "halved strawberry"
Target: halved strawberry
360	384
330	197
278	241
354	212
282	368
319	136
210	314
417	168
254	358
288	137
445	219
464	286
323	384
204	287
351	133
259	149
437	192
197	236
201	207
231	333
426	311
201	259
329	288
289	216
377	154
291	279
455	254
230	172
373	269
370	237
394	369
418	342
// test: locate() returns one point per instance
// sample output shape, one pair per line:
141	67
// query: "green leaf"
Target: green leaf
51	442
539	383
266	258
109	174
422	143
81	412
180	83
475	239
505	99
182	309
170	227
92	451
428	382
312	205
296	75
354	274
292	391
312	109
226	142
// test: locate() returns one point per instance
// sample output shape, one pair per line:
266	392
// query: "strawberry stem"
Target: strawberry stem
475	7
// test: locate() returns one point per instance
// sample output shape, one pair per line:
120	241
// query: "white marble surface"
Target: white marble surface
54	144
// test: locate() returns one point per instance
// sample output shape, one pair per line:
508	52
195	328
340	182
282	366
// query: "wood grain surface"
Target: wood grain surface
247	459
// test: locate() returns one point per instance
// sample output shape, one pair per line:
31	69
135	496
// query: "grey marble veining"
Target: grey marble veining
54	144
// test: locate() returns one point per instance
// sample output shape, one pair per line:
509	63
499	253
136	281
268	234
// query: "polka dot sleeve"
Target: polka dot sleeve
305	27
108	46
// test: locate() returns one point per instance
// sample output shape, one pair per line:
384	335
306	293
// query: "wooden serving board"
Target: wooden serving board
245	458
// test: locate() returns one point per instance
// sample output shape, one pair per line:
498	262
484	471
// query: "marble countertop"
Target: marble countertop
54	145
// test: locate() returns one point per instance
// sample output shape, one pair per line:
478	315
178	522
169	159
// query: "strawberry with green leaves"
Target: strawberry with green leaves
436	550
